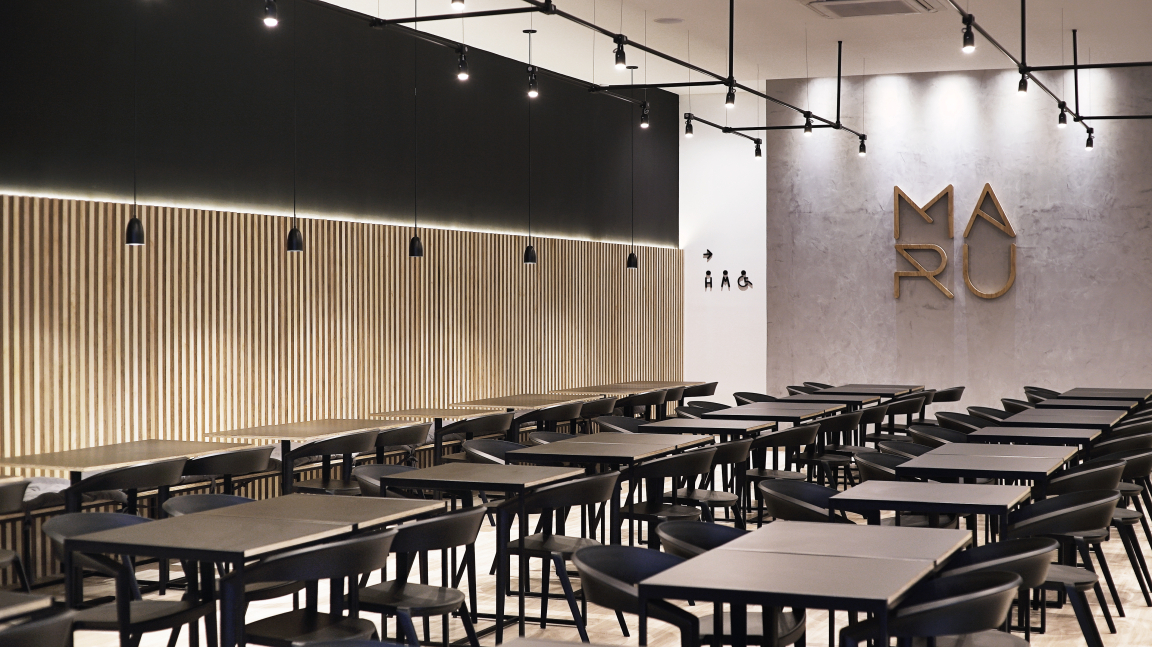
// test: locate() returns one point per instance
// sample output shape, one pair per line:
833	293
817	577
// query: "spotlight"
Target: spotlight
633	262
969	37
295	239
1022	87
462	65
533	88
270	13
415	248
863	147
807	126
621	60
1062	121
730	98
1091	140
457	5
688	128
759	155
134	234
529	255
644	114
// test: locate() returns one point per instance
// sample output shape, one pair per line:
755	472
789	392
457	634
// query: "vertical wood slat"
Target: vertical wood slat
214	325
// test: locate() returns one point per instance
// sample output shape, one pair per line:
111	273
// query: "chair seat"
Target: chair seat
303	627
765	474
1126	516
141	614
659	510
880	438
539	545
833	458
1129	490
848	449
711	498
908	520
789	627
256	591
1060	575
328	486
417	599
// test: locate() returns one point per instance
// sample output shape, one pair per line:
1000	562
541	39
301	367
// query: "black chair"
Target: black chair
690	412
594	409
1095	475
961	422
674	395
229	464
796	389
51	630
129	615
893	430
951	394
405	439
837	456
469	428
876	466
489	450
618	424
1016	406
700	390
545	437
1040	392
335	561
11	501
793	440
192	503
747	397
347	446
548	418
551	545
1137	466
957	605
931	436
404	599
988	413
902	448
1121	444
159	476
637	404
688	539
368	477
1128	428
655	510
818	386
798	501
732	454
705	405
872	417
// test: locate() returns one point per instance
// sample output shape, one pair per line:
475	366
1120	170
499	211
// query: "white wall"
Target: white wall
722	208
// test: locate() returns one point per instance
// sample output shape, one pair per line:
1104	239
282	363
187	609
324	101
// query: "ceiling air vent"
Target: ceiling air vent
857	8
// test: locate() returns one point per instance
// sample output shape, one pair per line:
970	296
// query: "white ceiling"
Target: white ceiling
771	34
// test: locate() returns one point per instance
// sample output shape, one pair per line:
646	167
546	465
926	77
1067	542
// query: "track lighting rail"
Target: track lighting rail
724	129
379	22
658	86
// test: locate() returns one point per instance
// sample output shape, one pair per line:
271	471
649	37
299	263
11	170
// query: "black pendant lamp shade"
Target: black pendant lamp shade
530	255
633	262
416	248
134	234
295	239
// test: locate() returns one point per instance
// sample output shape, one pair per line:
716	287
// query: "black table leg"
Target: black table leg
740	625
285	467
502	567
522	576
71	499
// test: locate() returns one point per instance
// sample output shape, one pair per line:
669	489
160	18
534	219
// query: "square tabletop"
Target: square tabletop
793	412
106	457
841	398
912	496
1082	403
849	540
480	476
435	413
681	441
886	390
359	511
1087	393
607	448
522	401
707	426
305	429
619	390
1020	451
658	384
1034	435
13	604
1102	419
960	466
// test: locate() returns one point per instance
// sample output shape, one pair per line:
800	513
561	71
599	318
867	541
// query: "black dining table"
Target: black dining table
940	465
885	390
1102	419
1081	403
777	411
1036	436
806	565
1090	393
14	605
724	428
851	400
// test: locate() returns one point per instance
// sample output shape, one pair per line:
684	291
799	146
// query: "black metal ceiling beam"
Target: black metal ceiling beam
723	129
658	86
453	16
1089	66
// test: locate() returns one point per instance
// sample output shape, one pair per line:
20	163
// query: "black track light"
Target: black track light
1091	140
758	153
529	255
688	127
863	147
462	65
134	233
807	126
295	239
730	98
644	110
415	248
533	87
1062	120
1022	86
457	5
270	13
621	59
969	38
633	262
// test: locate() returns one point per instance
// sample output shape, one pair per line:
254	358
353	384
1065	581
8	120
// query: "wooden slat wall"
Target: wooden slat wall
213	325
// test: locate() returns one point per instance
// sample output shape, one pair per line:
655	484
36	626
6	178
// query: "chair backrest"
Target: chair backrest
731	452
961	422
600	407
1134	428
906	406
609	574
234	463
688	539
797	500
489	423
988	413
839	424
1047	394
933	436
54	630
952	394
74	524
405	436
902	448
700	390
689	412
1016	406
368	476
875	466
1095	475
1075	512
961	604
190	503
545	437
562	412
797	389
644	399
134	477
674	394
12	496
489	450
818	385
693	463
338	559
1137	463
1121	444
622	424
445	531
705	405
1028	557
586	490
1033	398
873	415
353	443
800	435
748	397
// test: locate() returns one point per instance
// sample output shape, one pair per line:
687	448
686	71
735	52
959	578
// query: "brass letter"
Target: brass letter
923	211
920	270
1004	226
1001	291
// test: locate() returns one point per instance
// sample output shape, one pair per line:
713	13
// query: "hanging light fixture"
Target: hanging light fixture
457	5
295	242
1062	120
462	64
533	88
730	98
863	148
759	155
807	124
969	38
621	58
270	13
134	232
529	251
1022	86
644	114
415	247
688	126
633	262
1091	140
295	238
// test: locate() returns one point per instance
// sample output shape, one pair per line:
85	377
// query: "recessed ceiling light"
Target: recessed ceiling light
669	21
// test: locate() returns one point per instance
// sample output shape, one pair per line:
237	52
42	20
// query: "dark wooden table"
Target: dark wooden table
804	565
1086	393
509	479
1102	419
723	428
1017	451
1081	403
885	390
852	400
14	605
1070	436
791	412
951	466
870	498
523	401
361	512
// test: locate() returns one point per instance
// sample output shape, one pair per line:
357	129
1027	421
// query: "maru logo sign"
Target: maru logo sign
922	248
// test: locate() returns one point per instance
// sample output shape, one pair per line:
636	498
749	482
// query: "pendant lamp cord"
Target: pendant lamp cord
295	220
529	165
415	131
632	159
135	92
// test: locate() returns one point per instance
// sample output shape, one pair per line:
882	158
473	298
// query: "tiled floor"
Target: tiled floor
1135	629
